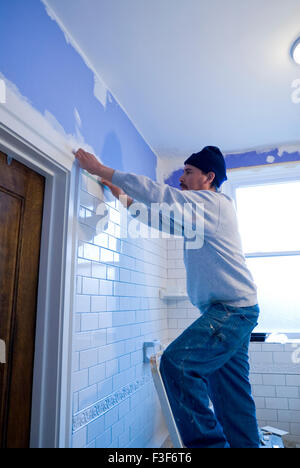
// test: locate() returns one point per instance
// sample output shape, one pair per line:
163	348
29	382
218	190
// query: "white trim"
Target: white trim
279	253
22	119
260	174
27	136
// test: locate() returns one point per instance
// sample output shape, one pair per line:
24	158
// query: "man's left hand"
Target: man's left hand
88	161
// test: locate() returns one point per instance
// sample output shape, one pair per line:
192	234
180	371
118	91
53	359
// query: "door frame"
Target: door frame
51	416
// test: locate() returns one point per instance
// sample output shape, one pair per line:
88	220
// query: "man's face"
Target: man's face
194	179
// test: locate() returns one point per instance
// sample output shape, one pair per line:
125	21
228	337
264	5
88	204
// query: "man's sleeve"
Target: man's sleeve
186	204
145	190
160	222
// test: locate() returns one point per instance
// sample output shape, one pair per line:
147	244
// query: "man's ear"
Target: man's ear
211	176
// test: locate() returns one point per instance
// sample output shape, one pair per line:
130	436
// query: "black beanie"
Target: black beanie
210	159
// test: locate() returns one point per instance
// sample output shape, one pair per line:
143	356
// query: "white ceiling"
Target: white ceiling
191	73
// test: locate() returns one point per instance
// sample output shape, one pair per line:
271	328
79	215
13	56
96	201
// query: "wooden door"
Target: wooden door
21	209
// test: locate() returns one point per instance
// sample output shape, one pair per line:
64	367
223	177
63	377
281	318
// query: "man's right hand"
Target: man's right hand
116	191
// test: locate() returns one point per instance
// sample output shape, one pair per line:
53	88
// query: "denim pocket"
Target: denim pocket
229	325
252	320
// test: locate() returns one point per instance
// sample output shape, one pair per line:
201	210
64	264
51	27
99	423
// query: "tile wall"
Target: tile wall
117	310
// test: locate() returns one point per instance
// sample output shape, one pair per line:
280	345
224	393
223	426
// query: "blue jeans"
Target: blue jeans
210	360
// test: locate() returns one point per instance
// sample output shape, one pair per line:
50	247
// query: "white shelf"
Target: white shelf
171	294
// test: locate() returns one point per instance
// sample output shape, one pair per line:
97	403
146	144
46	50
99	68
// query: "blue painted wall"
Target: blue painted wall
245	159
173	178
35	56
259	158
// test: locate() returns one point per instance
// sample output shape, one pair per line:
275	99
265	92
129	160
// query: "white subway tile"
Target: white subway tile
83	303
118	428
88	358
84	267
254	347
175	273
294	404
261	357
124	438
132	344
123	318
264	390
85	232
124	408
87	396
77	323
104	440
90	286
111	417
91	252
106	255
105	319
125	275
118	333
80	380
79	438
99	338
124	362
96	374
171	244
113	303
266	414
92	186
98	270
260	402
172	263
89	322
98	303
101	239
274	379
95	428
175	254
289	416
82	341
80	252
256	379
136	357
295	429
288	392
106	287
277	403
113	273
123	378
111	368
293	380
114	243
172	323
78	284
272	347
88	201
282	357
105	388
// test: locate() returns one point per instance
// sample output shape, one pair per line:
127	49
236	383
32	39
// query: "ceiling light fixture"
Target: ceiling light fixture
295	51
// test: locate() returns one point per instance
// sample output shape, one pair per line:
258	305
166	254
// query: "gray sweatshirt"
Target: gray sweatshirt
216	271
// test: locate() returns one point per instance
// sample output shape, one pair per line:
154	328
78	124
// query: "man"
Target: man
210	358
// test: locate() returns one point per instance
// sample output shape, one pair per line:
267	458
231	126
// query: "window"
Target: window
269	222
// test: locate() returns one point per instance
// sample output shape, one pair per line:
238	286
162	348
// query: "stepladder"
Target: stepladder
164	401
